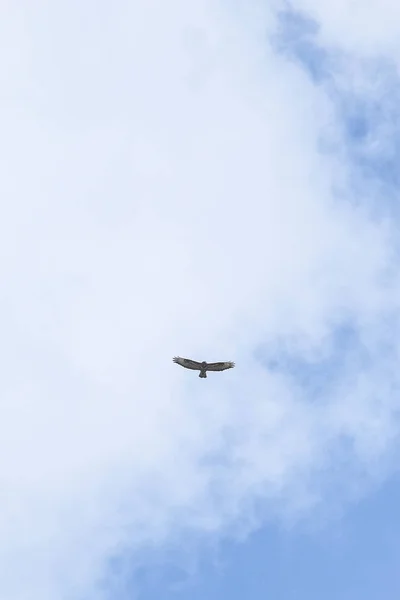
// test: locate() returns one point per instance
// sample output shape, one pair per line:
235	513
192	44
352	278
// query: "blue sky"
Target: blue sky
354	556
218	182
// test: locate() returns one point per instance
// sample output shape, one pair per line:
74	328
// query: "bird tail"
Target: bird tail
202	374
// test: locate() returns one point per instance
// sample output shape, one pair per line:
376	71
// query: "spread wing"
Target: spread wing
187	363
220	366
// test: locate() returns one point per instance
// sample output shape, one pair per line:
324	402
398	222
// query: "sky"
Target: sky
217	181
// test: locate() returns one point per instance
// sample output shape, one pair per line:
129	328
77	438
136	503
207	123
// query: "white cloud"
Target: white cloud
163	194
364	28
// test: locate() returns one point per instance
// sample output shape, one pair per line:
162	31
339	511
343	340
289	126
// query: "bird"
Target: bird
203	366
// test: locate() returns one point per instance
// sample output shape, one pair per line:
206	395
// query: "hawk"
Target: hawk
203	367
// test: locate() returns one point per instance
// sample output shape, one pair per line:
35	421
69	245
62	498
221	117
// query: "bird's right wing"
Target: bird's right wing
187	363
220	366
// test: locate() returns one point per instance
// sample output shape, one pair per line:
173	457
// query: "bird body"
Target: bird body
203	366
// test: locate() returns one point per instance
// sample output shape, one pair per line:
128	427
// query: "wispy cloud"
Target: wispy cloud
167	189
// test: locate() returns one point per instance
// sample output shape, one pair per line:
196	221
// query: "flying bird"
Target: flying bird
204	366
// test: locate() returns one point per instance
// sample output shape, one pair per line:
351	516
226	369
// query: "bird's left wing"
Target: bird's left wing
220	366
187	363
